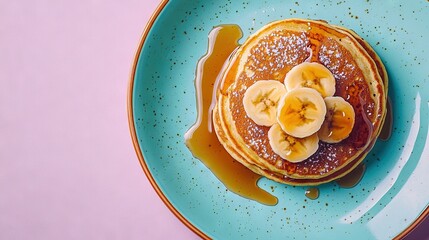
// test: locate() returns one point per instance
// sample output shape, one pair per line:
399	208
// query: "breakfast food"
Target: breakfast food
301	102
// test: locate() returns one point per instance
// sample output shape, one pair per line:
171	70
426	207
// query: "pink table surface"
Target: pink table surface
68	169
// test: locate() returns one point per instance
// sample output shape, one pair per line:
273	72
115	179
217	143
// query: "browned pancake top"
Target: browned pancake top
272	58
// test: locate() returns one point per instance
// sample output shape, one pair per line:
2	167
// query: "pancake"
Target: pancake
271	53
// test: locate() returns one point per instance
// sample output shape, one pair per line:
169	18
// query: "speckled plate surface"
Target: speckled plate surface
393	192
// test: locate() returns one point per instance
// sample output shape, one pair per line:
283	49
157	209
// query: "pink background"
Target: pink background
68	169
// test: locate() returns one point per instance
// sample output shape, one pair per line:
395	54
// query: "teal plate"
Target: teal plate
392	196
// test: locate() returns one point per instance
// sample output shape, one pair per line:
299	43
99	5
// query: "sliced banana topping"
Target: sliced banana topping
339	120
301	112
291	148
311	75
260	101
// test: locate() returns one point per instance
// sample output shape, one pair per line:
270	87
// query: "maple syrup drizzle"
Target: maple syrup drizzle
201	138
386	130
353	178
312	193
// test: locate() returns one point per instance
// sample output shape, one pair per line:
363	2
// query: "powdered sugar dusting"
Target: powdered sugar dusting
276	52
333	63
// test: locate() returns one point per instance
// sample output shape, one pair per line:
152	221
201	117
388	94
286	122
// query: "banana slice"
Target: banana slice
260	101
291	148
339	120
311	75
301	112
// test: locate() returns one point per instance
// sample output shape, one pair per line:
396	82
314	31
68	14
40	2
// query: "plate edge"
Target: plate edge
132	129
413	225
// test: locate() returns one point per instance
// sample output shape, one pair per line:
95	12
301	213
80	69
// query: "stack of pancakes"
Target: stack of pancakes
270	53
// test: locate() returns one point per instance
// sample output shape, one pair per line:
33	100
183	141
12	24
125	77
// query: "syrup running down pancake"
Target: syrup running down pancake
270	54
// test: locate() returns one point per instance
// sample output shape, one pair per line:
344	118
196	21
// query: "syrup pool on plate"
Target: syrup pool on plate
312	193
353	178
201	138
